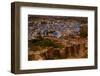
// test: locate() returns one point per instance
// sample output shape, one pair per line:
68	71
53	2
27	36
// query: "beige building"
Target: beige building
83	28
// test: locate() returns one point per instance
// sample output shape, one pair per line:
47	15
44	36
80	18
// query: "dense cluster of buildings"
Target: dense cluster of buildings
53	26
